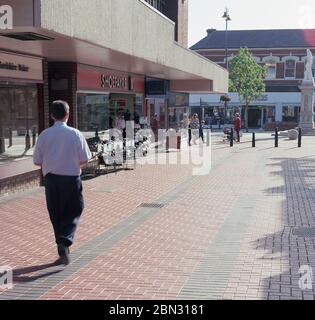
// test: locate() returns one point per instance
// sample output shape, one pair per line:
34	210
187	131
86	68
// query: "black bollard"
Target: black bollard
2	145
208	137
232	138
276	138
254	140
27	141
10	138
33	139
167	147
300	138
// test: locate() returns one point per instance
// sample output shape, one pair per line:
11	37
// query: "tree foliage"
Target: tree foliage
246	78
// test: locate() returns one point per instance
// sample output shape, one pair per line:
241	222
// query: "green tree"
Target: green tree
246	78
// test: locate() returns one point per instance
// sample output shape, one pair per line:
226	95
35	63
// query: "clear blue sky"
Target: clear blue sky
249	14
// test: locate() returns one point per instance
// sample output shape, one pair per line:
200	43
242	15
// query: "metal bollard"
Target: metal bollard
2	145
10	138
232	138
27	141
179	142
208	137
34	139
254	140
167	143
276	138
300	138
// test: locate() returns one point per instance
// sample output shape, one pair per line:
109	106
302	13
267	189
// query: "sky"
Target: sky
249	14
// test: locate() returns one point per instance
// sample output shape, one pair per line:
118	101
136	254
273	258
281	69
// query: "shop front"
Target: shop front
263	113
20	77
178	110
21	119
156	101
106	99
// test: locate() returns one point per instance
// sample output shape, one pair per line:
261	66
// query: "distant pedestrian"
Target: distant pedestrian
237	126
218	118
202	124
60	152
156	126
195	126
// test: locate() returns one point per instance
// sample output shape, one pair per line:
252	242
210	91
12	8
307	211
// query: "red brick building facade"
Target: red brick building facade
281	52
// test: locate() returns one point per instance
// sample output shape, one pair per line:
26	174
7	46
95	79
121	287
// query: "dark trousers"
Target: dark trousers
201	134
65	206
237	134
189	136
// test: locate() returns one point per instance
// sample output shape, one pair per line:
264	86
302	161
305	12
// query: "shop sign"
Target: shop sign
100	79
264	97
114	82
13	66
6	17
20	67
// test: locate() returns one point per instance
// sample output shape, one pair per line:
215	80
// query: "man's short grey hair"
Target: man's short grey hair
59	109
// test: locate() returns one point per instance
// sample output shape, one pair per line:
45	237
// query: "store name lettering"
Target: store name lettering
6	17
13	66
264	97
114	82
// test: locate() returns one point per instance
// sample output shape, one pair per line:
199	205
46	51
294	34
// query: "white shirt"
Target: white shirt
60	149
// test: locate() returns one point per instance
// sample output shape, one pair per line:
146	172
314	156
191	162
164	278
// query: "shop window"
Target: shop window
93	114
290	68
18	119
290	113
157	4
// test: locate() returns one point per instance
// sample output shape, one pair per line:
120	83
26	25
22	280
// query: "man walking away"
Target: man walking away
237	126
60	152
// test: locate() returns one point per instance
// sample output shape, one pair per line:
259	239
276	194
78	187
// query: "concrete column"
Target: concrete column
307	105
279	110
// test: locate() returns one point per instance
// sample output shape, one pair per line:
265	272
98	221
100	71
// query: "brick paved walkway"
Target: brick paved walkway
226	235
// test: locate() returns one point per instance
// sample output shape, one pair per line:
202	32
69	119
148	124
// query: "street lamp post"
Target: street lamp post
227	18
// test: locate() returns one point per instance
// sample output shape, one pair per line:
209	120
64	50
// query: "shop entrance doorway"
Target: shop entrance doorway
254	117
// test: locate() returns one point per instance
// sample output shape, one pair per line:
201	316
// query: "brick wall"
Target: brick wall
43	100
183	23
63	86
218	56
20	183
177	11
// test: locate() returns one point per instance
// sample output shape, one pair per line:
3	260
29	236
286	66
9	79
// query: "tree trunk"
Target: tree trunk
246	118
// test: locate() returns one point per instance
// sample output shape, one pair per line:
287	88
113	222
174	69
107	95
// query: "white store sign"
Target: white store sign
20	67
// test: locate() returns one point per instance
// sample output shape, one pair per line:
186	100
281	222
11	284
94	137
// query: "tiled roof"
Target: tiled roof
281	38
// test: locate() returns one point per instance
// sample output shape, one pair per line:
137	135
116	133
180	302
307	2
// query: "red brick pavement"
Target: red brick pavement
155	260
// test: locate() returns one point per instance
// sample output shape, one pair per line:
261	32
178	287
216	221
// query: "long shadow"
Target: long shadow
19	275
286	250
4	158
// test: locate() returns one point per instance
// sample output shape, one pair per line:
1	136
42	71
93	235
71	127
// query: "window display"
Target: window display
18	119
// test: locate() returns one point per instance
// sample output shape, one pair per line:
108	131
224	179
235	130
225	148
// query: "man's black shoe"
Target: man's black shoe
64	255
64	260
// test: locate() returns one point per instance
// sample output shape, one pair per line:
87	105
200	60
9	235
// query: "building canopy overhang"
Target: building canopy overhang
62	48
123	35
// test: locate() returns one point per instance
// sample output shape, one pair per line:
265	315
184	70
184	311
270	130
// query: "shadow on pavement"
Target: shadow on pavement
19	275
284	252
